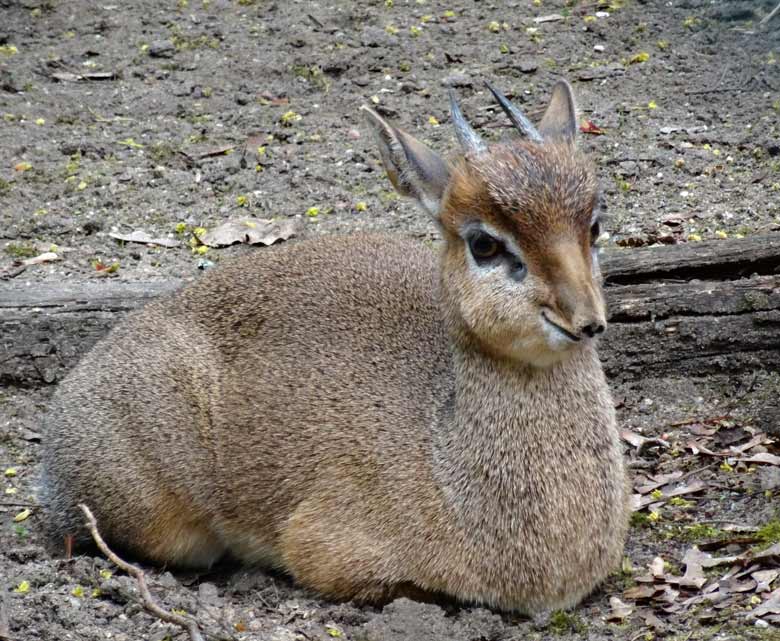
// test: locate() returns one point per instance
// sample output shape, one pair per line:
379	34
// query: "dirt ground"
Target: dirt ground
171	116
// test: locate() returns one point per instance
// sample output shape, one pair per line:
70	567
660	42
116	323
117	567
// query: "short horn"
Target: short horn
518	118
467	137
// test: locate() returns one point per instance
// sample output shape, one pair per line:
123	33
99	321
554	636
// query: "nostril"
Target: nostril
593	329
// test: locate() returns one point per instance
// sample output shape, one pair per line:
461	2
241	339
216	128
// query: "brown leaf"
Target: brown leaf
620	610
764	457
632	438
657	481
640	592
689	488
216	151
253	231
694	571
735	585
656	568
653	621
770	606
139	236
698	447
764	578
768	555
46	257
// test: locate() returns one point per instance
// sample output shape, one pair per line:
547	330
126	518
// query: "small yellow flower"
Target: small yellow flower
22	588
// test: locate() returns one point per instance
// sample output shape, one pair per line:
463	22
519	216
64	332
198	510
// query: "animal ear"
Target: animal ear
560	119
414	170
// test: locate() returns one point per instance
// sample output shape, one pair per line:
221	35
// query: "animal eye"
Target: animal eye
517	269
484	246
595	232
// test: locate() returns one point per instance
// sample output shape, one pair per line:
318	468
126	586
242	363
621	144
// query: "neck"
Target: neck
507	418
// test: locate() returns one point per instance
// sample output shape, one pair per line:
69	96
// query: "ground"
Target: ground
169	117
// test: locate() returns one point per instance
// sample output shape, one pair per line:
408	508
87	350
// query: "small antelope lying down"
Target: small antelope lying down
368	415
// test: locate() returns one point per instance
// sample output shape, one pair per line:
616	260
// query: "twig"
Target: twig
697	470
5	626
771	15
189	625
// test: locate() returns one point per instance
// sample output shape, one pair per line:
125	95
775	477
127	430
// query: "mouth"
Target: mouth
565	333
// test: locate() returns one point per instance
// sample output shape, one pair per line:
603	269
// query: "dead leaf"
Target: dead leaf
216	151
758	439
589	127
690	488
735	585
653	621
253	231
770	606
640	592
694	571
668	595
656	568
698	447
548	18
641	442
139	236
771	554
620	610
764	457
632	438
46	257
764	578
659	480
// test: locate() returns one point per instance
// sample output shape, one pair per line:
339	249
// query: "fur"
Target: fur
367	415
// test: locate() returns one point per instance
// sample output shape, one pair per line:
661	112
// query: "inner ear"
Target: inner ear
560	119
415	170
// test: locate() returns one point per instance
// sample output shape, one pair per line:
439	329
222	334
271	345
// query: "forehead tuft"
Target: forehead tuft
525	185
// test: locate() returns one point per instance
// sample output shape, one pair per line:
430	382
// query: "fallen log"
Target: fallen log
682	310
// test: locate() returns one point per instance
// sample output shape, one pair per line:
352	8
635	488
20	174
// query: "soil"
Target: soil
167	117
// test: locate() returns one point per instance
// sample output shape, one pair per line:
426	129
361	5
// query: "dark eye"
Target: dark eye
595	232
484	246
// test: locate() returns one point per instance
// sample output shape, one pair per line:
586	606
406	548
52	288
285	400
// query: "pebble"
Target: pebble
162	49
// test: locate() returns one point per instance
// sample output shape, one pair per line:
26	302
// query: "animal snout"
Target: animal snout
593	328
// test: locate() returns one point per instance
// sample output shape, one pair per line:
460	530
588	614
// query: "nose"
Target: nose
593	329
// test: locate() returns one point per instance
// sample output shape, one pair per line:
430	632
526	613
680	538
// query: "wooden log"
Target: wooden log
683	310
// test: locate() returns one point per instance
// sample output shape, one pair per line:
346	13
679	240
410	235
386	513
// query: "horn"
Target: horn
518	118
467	137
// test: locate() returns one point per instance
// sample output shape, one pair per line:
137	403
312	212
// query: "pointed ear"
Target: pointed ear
560	119
414	170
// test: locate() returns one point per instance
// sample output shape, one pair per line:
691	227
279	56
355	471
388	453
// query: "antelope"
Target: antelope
369	415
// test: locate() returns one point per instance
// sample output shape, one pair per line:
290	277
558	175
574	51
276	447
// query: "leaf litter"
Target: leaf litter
251	231
748	581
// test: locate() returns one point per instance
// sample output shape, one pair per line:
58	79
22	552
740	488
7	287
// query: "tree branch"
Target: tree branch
149	603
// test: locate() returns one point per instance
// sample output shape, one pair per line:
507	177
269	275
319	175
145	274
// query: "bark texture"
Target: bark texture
686	310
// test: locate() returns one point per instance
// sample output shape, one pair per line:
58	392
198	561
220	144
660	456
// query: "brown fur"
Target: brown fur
364	415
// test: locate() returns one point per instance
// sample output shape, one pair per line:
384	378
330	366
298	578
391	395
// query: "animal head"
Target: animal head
520	220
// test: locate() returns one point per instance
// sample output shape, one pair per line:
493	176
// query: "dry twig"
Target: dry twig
150	604
5	626
769	16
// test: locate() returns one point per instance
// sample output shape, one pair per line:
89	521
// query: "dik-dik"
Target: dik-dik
368	414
